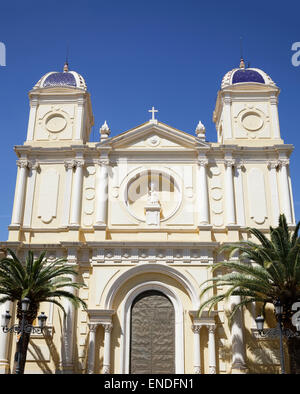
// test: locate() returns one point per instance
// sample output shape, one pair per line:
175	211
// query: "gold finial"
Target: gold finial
66	66
242	63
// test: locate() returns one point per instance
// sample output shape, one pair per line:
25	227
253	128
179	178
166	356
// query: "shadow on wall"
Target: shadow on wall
43	354
37	353
262	356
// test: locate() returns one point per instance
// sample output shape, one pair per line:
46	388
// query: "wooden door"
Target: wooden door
152	344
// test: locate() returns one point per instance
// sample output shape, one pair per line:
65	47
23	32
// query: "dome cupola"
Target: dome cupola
246	75
66	78
246	110
60	109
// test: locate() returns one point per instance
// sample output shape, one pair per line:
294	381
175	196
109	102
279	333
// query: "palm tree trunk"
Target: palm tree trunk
21	353
22	345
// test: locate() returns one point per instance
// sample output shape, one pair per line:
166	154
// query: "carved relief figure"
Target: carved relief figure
153	194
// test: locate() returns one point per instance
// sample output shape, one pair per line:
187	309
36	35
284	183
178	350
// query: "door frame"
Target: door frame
126	323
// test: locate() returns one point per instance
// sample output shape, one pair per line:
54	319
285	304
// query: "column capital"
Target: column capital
69	164
229	162
227	99
93	327
240	165
34	165
79	163
283	162
196	328
211	328
107	327
104	161
202	162
273	164
23	163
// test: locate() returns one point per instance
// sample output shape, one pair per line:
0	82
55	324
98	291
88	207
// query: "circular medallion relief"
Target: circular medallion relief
252	121
216	194
153	140
138	194
56	123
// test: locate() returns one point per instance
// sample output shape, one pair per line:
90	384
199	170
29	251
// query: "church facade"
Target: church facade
141	216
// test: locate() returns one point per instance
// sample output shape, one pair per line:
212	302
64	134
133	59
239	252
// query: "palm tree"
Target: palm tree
39	281
265	273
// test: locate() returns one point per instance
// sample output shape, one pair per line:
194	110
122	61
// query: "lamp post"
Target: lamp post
278	331
21	329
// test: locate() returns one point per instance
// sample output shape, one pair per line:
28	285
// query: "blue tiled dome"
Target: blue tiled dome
247	75
60	79
70	79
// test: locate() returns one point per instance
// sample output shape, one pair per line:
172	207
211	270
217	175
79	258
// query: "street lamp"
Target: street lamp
278	331
23	328
278	308
42	320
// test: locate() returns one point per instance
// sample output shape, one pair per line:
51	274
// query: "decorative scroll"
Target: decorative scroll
216	194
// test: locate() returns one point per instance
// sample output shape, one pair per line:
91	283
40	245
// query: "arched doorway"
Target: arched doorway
152	336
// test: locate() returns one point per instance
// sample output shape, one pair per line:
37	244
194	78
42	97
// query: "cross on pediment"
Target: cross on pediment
153	110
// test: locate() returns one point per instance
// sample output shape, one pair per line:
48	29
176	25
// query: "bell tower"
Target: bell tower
246	111
60	110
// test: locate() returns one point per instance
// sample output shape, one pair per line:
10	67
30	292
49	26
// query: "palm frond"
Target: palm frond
260	272
38	280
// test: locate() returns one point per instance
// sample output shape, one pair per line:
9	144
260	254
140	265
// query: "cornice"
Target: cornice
151	244
249	88
100	316
184	154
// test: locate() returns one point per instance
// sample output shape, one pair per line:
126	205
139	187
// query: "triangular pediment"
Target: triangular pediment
155	135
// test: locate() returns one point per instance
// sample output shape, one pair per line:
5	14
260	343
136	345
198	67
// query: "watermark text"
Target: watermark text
296	56
2	54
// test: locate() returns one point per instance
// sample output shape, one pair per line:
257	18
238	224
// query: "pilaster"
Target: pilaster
230	200
272	166
75	218
102	194
91	347
197	354
285	188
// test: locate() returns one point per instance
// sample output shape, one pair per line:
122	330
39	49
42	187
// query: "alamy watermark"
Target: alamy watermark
2	54
296	56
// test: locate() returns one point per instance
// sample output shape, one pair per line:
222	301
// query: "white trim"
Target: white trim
151	268
126	314
179	136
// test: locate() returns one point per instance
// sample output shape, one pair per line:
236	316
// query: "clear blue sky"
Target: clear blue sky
136	53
